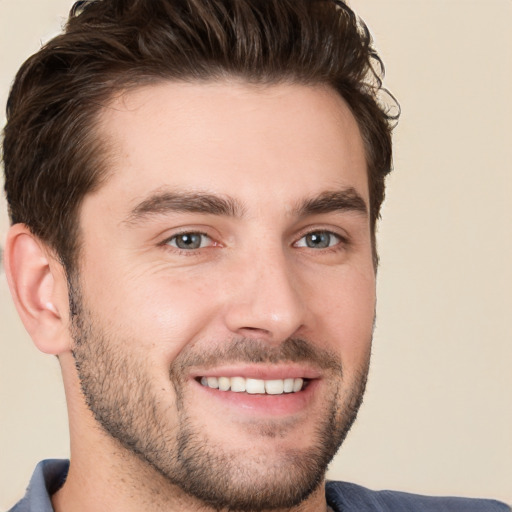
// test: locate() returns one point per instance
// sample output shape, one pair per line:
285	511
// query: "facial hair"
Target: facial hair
120	394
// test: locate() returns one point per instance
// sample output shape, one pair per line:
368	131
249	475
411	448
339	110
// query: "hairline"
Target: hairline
129	82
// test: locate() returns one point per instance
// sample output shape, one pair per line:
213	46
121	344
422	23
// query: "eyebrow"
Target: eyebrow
187	202
161	203
348	200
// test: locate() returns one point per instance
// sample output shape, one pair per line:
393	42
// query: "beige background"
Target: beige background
438	414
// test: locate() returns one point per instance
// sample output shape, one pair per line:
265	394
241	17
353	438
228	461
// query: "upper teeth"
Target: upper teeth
253	386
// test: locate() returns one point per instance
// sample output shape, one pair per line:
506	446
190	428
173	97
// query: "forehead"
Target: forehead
270	143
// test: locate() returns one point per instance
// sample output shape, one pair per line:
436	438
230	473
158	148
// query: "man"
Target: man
194	237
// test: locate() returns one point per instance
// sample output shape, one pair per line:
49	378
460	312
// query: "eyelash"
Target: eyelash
339	240
342	242
187	252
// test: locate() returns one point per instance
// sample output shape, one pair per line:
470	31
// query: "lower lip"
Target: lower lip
269	405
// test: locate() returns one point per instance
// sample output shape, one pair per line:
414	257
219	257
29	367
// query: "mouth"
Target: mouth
261	391
250	386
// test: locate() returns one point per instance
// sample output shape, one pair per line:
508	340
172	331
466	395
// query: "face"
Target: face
226	291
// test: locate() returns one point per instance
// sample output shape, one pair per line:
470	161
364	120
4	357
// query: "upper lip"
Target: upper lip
260	371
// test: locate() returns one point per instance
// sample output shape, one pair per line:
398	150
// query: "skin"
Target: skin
254	281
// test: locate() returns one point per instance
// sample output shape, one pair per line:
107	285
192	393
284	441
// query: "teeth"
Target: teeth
213	382
238	384
288	385
224	383
254	386
274	387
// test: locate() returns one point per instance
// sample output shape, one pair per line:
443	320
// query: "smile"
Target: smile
255	386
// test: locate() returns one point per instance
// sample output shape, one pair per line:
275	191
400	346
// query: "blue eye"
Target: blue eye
189	241
319	240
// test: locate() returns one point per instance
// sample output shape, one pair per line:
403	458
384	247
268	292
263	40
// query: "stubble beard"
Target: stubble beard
122	399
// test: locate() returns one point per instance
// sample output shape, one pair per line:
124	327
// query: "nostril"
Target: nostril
272	317
252	332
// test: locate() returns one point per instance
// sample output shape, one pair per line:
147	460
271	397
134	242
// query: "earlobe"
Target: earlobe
39	290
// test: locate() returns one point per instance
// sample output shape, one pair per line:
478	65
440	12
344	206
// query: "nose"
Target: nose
266	302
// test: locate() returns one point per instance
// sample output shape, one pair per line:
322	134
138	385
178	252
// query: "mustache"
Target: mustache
248	350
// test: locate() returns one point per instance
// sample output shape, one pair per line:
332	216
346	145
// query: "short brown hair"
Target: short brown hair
52	157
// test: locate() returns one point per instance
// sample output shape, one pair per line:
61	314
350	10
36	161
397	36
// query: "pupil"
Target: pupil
317	240
189	241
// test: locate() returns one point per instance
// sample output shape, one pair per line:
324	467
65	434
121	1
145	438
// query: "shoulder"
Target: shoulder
47	478
348	497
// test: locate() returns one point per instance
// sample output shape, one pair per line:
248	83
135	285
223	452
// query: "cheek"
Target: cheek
346	311
176	315
159	312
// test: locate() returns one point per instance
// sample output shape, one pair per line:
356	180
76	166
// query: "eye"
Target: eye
318	240
189	241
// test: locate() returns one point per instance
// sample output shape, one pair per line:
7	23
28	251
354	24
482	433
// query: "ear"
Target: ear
39	288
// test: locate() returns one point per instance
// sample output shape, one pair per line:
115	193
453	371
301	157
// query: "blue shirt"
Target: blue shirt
50	475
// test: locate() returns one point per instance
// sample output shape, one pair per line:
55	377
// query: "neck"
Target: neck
119	482
104	475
